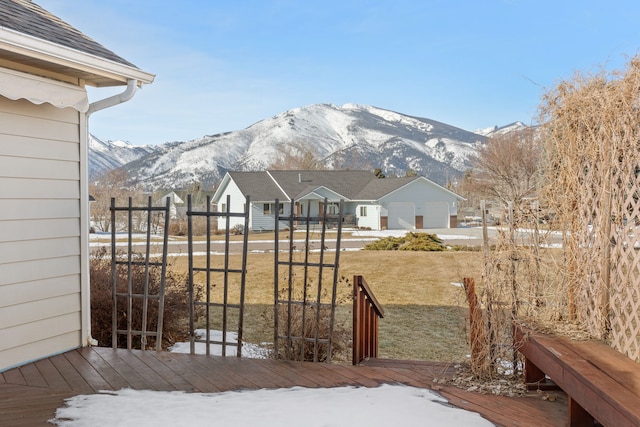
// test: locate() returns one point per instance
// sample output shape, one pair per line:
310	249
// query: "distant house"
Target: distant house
391	203
45	65
174	202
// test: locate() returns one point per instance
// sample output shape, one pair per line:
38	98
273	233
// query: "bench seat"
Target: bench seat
601	383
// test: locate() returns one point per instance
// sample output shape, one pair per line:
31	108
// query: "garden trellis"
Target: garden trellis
304	306
138	289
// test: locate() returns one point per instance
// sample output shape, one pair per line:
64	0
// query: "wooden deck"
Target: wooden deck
30	394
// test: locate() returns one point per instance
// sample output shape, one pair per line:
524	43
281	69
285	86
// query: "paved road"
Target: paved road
255	246
350	241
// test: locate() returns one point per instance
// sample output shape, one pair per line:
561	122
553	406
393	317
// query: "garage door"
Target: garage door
436	215
402	216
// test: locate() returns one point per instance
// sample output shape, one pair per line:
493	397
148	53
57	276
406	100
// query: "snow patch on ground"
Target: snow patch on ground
387	405
248	350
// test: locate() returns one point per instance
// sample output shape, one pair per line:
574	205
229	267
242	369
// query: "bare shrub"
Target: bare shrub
309	325
238	229
303	349
176	302
180	226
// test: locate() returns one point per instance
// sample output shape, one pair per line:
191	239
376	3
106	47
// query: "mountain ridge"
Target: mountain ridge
350	136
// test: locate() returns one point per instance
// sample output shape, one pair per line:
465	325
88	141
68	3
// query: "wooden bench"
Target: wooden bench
602	385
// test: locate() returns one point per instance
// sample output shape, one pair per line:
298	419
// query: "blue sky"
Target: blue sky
223	65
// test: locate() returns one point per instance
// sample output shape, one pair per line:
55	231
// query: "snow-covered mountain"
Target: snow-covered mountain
495	130
351	136
108	155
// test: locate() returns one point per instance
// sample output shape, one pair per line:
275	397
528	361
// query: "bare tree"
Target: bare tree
297	157
507	168
114	183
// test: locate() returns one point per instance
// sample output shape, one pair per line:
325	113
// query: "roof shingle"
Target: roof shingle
258	186
297	183
28	18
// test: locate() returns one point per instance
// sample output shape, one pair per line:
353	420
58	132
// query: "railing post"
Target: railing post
366	312
357	333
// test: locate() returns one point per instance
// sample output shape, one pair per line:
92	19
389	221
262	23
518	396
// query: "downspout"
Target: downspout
115	99
102	104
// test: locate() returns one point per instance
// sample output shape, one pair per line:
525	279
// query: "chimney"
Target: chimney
299	177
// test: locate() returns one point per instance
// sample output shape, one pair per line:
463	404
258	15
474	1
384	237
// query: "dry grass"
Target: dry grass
425	312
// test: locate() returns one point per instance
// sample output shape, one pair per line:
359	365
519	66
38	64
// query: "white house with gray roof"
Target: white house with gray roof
407	203
45	66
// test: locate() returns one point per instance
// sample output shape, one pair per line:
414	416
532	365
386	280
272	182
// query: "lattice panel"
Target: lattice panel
624	305
604	243
592	232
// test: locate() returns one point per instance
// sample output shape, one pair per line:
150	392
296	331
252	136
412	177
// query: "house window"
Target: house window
223	207
333	209
268	208
363	211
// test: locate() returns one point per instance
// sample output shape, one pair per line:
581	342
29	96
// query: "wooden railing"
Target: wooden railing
366	312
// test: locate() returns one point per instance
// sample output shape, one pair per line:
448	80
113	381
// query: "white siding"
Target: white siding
313	206
436	215
41	238
401	216
423	194
237	202
262	222
372	218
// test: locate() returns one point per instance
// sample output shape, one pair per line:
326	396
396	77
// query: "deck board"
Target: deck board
145	371
187	372
51	375
165	370
14	376
32	376
119	364
71	375
110	375
87	371
30	394
289	374
255	373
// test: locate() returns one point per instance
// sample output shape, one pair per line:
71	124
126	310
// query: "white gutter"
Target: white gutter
114	100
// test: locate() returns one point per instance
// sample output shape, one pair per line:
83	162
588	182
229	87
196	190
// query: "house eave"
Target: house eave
446	190
95	71
314	192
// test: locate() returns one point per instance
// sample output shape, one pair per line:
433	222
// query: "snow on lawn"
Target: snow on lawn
387	405
248	350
